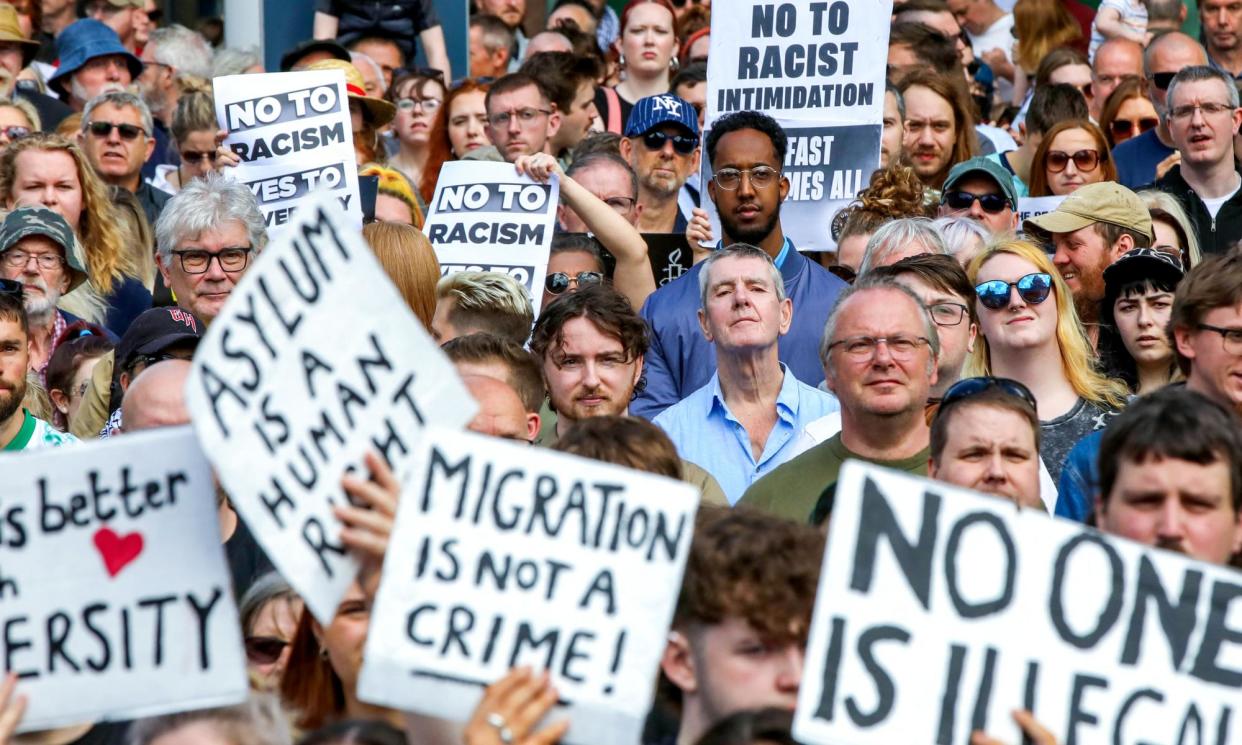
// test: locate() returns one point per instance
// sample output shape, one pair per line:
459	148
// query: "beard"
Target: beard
40	309
752	235
11	401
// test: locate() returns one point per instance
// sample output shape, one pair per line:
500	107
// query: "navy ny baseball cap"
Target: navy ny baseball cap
652	111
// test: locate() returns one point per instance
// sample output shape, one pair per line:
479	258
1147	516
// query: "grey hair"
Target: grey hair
185	51
269	587
603	158
896	235
233	61
901	101
739	251
361	58
257	721
1195	74
120	99
206	204
869	284
955	230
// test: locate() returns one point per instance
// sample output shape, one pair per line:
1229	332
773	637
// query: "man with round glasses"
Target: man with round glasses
1202	117
36	253
662	145
982	190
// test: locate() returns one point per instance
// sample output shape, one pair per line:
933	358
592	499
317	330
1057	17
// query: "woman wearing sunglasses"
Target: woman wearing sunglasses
269	612
1127	112
1072	154
194	132
1030	332
17	119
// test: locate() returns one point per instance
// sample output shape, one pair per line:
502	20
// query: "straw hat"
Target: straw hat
382	111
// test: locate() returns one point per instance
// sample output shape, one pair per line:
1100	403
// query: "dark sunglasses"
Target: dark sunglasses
1033	289
962	200
264	650
844	273
974	386
1125	127
557	282
1084	160
10	287
103	129
191	156
16	132
1162	79
682	144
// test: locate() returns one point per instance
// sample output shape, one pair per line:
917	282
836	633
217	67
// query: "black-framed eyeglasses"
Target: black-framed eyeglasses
731	178
558	282
1033	288
429	105
962	200
197	261
264	650
1230	338
845	273
968	387
127	131
1084	160
682	144
16	132
947	314
10	287
1162	79
194	156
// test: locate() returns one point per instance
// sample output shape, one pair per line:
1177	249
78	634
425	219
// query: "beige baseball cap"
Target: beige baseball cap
1106	201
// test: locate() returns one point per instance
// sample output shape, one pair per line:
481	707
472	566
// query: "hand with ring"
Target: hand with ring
538	166
510	709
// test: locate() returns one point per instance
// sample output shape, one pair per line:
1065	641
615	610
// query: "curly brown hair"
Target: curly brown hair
600	304
894	192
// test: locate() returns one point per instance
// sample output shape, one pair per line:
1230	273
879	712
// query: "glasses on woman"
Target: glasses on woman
429	105
1084	160
195	156
1126	127
558	282
15	132
974	386
1032	288
264	650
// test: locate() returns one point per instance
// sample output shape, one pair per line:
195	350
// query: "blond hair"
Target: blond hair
1077	357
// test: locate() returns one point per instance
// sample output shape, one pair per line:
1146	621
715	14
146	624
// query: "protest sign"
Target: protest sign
315	359
484	217
293	133
817	68
1029	207
116	595
504	555
940	611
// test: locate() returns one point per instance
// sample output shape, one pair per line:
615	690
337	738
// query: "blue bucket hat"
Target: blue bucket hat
83	41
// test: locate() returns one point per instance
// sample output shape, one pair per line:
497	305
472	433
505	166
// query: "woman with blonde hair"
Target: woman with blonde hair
52	171
18	119
1030	332
1174	233
194	130
408	258
1040	27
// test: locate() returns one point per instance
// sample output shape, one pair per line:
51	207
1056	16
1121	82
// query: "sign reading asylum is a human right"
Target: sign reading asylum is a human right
818	68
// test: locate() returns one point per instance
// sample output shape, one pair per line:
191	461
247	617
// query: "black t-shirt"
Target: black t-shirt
399	20
247	561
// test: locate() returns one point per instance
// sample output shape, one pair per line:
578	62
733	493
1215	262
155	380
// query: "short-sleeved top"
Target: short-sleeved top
399	20
36	434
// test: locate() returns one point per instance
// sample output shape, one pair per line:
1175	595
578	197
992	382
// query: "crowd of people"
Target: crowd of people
1085	362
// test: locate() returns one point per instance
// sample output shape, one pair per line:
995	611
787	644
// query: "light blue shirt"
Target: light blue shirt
707	434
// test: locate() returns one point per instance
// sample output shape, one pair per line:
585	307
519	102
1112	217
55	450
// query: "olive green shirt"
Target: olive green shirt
792	490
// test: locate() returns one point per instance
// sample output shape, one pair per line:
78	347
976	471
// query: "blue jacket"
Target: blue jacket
680	361
1080	479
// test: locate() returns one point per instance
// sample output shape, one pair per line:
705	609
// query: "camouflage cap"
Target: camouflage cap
24	222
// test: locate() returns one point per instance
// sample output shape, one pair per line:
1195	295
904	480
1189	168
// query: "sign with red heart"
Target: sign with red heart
117	550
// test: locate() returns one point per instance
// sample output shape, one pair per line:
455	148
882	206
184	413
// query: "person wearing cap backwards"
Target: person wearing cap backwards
1091	229
982	190
368	114
92	61
118	15
662	145
36	250
16	53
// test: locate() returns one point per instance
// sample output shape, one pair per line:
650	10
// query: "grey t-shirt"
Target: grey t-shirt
1060	434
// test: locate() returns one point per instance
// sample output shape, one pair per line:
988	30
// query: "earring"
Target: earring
673	64
623	59
323	653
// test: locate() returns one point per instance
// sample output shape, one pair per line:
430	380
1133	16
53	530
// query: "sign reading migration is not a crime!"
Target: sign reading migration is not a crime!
503	555
484	217
115	599
940	611
314	359
818	68
293	134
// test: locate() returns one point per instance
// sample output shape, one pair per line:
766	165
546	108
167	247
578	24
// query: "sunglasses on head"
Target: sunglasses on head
962	200
1084	160
558	282
682	144
1033	289
103	129
1125	127
974	386
10	287
264	650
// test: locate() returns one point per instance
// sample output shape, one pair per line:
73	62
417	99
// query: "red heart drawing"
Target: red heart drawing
117	551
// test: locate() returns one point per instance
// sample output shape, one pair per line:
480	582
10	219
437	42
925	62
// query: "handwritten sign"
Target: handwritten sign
293	133
940	611
505	555
314	359
484	217
806	65
116	595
